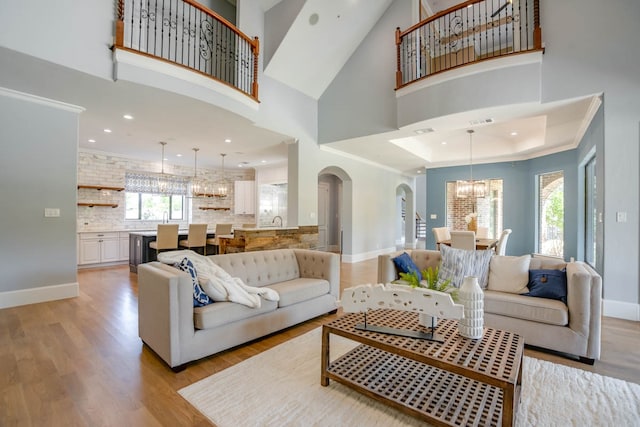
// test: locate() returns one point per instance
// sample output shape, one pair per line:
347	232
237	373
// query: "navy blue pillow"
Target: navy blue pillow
200	298
548	284
404	264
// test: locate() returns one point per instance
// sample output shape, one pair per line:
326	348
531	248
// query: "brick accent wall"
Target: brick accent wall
108	170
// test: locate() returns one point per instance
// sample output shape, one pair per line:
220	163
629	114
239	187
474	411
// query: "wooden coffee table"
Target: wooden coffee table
459	382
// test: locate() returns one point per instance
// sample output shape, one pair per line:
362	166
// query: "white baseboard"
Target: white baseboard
41	294
621	310
366	255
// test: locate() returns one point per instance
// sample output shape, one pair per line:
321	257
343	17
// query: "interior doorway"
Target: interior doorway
333	213
405	223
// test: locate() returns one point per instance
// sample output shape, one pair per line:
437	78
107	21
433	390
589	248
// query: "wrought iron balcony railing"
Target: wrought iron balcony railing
190	35
470	32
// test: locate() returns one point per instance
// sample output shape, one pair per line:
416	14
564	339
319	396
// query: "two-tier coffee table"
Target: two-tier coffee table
461	382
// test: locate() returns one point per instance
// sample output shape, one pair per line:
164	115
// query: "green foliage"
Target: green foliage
430	276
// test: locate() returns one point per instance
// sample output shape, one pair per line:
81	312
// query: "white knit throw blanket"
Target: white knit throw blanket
219	284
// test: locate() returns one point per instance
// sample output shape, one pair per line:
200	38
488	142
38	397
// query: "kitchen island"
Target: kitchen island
139	250
258	239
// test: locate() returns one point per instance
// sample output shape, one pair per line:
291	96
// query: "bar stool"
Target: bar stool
221	230
197	237
166	238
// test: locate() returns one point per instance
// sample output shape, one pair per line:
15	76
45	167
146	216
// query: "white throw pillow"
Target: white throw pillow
459	263
509	274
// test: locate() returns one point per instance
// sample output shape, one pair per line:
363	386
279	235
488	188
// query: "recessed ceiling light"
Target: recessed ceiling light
444	143
178	155
425	130
228	141
263	161
107	131
514	133
314	18
128	116
92	141
419	171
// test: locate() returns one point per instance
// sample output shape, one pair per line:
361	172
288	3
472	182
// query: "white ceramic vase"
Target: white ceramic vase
471	297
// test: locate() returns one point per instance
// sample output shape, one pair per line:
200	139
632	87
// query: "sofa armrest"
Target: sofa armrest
320	265
423	258
165	310
584	300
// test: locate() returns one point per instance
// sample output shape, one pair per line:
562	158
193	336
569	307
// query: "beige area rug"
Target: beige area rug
281	387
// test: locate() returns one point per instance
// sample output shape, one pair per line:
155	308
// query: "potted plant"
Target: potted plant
430	281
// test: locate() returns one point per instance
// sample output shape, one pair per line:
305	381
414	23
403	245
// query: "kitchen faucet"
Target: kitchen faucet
274	220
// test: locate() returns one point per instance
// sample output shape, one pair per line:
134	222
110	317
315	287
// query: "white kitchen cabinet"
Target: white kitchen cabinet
123	238
245	198
96	248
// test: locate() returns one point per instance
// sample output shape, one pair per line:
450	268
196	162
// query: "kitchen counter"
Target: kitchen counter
139	250
257	239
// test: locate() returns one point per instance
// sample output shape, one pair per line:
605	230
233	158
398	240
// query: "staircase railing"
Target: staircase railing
190	35
470	32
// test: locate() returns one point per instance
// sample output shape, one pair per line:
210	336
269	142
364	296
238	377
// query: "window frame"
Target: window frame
172	201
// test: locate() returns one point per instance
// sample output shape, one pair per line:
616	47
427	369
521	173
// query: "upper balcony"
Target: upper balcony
186	34
471	32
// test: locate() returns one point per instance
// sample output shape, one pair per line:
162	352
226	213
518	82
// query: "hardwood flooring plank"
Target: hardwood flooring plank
80	361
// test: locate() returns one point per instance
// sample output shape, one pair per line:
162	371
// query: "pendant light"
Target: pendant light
198	186
470	188
221	190
163	182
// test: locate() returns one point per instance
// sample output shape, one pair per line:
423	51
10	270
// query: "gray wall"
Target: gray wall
277	20
361	100
38	171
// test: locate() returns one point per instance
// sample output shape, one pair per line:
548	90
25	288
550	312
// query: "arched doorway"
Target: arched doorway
405	223
334	210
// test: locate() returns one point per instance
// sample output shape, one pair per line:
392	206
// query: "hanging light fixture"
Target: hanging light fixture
163	181
199	186
221	190
470	188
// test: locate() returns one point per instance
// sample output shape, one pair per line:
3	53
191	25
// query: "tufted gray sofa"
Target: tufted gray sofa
572	328
307	281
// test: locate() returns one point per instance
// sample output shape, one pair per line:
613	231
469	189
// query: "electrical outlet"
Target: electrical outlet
51	212
433	216
621	216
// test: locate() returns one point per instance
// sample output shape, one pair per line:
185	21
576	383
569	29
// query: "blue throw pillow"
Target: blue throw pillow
548	284
200	298
404	264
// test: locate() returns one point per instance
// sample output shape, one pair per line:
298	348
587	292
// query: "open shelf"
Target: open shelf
108	205
100	187
213	208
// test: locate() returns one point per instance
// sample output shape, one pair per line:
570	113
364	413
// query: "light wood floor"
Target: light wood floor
80	361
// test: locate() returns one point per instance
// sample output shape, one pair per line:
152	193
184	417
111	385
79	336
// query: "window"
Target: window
590	214
153	207
146	200
551	214
488	208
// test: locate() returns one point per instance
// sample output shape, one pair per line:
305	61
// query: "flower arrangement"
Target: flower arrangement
470	217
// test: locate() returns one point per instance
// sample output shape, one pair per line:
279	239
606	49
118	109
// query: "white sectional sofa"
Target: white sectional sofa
307	281
572	328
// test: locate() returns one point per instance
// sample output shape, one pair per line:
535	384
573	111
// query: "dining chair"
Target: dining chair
166	238
197	238
501	246
223	230
463	240
482	233
441	234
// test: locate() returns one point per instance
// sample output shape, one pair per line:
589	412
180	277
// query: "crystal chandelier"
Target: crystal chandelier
470	188
221	190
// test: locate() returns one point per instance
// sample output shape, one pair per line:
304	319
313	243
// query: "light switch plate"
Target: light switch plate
433	216
621	216
51	212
